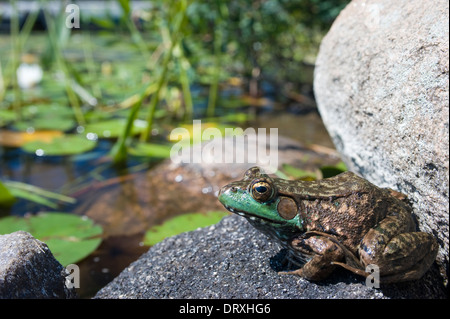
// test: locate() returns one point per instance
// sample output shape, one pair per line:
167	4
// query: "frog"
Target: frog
340	221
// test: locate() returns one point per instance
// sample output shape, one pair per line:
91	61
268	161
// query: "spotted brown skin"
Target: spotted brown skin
339	221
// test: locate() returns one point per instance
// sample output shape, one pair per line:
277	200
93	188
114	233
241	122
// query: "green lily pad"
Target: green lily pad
150	150
53	116
63	145
113	128
58	123
52	110
180	224
69	237
7	116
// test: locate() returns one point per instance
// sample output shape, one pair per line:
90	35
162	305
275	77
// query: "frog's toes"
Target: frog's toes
298	272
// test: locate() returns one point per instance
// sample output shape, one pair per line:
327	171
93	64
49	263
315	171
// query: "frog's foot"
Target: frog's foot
398	195
321	251
298	272
400	253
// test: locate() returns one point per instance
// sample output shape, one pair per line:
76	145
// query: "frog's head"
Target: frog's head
256	198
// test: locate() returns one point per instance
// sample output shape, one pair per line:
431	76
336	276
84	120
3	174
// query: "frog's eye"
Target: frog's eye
262	190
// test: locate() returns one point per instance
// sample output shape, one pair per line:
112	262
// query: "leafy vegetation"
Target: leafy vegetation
69	237
174	46
132	80
180	224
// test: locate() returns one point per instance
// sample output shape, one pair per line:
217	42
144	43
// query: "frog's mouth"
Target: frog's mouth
252	216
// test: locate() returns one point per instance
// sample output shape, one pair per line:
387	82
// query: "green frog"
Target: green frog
341	221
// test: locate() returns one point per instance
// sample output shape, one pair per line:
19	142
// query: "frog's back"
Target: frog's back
341	185
350	211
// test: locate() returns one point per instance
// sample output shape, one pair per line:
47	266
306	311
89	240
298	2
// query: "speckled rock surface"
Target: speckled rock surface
382	88
233	260
29	270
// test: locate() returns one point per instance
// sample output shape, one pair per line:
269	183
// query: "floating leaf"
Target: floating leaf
7	116
113	128
180	224
69	237
53	110
18	139
195	133
63	145
150	150
58	123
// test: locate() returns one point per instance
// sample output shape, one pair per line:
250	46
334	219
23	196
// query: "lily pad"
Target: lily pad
57	123
17	139
113	128
63	145
150	150
7	116
180	224
69	237
52	110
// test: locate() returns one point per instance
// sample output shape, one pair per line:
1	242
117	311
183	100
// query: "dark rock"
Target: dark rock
29	270
233	260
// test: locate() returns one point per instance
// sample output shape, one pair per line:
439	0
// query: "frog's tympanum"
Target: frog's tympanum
339	221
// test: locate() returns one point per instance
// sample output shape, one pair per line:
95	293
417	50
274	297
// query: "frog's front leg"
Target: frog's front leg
322	252
400	252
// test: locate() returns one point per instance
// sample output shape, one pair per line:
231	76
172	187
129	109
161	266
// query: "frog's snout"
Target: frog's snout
227	188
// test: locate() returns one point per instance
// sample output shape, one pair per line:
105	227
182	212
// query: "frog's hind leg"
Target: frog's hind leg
322	251
400	253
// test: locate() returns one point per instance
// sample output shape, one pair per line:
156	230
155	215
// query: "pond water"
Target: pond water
88	175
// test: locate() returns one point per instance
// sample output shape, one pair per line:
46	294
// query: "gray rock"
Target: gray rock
29	270
233	260
382	88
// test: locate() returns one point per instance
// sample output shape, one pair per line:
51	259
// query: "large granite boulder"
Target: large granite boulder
29	270
382	88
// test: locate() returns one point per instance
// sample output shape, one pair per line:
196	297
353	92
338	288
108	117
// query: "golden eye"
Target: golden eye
262	190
